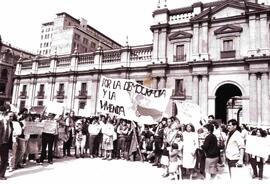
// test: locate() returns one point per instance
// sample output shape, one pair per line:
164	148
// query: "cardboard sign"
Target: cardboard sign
50	126
33	128
258	146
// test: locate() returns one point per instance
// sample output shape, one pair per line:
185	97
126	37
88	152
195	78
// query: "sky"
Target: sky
21	20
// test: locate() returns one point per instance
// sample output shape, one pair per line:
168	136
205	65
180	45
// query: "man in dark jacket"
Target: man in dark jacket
6	130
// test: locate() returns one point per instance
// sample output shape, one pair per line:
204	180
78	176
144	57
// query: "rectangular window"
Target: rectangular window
228	45
61	87
24	88
2	88
22	104
40	103
179	87
83	86
93	45
76	36
180	53
82	104
85	41
41	87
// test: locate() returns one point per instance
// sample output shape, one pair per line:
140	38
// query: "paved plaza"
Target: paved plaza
88	170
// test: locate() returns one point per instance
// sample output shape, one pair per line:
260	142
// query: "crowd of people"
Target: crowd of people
181	150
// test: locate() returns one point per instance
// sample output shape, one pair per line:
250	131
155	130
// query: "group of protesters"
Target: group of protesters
181	150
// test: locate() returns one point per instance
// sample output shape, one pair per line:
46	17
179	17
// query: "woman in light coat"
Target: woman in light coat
190	144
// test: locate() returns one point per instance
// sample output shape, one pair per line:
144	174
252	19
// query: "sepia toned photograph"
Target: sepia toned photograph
135	91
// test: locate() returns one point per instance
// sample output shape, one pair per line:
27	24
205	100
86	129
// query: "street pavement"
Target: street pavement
86	170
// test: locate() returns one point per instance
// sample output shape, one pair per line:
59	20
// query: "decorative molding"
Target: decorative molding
229	28
179	35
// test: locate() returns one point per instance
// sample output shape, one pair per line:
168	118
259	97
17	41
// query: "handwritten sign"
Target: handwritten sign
131	100
33	128
50	126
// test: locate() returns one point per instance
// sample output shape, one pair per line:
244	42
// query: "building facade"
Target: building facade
65	34
9	55
213	54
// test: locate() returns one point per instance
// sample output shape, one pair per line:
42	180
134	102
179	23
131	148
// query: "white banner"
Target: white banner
131	100
54	107
84	113
189	113
258	146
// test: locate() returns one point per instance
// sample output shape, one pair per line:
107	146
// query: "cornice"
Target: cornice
257	59
200	63
159	26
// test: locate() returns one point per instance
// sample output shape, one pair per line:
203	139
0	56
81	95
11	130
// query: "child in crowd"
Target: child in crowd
173	161
179	141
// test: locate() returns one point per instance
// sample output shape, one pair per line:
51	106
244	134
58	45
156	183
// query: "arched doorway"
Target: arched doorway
223	94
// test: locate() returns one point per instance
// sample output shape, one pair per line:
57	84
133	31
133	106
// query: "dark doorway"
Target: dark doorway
223	94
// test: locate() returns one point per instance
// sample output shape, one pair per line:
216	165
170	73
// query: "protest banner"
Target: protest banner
50	126
33	128
84	113
54	107
257	146
189	113
131	100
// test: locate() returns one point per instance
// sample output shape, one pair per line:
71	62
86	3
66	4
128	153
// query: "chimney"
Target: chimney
83	23
197	8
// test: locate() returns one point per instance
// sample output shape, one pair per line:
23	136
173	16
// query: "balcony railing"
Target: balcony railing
23	94
227	54
40	94
60	94
82	94
179	58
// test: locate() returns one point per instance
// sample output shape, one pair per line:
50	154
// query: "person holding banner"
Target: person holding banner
257	160
22	141
158	141
107	141
70	123
234	149
94	129
48	135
